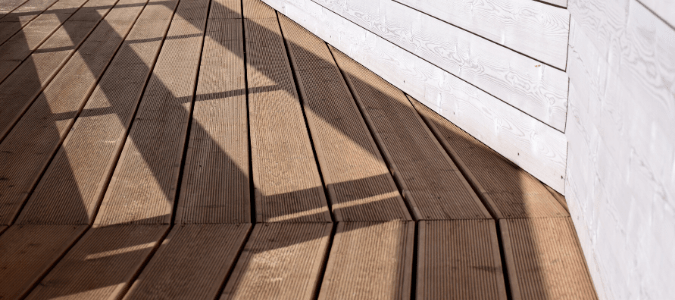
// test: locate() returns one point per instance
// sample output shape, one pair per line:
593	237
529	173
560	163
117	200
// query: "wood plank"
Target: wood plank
285	174
544	259
191	263
9	5
25	9
31	144
16	22
561	3
534	88
459	260
71	189
530	27
102	263
508	190
527	142
370	261
663	8
432	184
561	199
143	187
280	261
26	83
215	187
359	185
27	252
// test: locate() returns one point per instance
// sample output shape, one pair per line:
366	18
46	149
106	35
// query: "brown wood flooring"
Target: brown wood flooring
203	149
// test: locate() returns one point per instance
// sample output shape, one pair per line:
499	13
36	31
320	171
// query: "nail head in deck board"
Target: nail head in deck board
102	263
544	259
21	88
280	261
24	26
437	188
285	174
27	252
508	190
143	185
215	187
30	145
191	263
358	181
70	190
370	261
459	259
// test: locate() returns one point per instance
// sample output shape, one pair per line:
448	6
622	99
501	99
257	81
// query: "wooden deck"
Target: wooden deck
209	149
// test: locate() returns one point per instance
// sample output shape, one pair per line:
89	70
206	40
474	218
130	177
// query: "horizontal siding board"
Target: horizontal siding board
533	28
535	88
531	144
665	9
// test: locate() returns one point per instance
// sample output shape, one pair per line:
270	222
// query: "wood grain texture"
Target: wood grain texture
432	184
530	27
285	174
507	190
27	252
663	8
544	259
191	263
359	184
16	23
71	189
561	3
102	263
370	261
33	141
143	186
8	6
280	261
25	10
459	260
215	186
525	141
534	88
26	83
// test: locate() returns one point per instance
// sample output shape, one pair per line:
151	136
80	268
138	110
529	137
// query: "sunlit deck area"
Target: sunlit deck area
202	149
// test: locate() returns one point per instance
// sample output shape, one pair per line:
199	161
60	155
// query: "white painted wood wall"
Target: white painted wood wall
579	93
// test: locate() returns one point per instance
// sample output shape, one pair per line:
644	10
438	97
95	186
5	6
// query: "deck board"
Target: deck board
545	260
71	189
370	261
191	263
31	144
27	252
17	24
26	83
431	183
285	174
143	187
359	185
215	187
9	5
280	261
459	259
509	191
25	11
102	263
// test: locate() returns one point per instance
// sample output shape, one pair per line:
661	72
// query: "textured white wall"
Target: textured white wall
620	185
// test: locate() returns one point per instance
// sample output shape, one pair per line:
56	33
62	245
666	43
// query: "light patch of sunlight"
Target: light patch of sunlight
119	251
366	200
301	214
88	294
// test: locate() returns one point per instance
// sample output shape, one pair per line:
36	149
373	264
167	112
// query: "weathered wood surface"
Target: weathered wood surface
285	174
71	189
26	83
530	27
370	261
25	10
215	187
528	85
15	24
544	259
191	263
8	6
531	144
281	260
663	8
359	185
27	252
508	190
148	167
431	183
28	148
459	260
